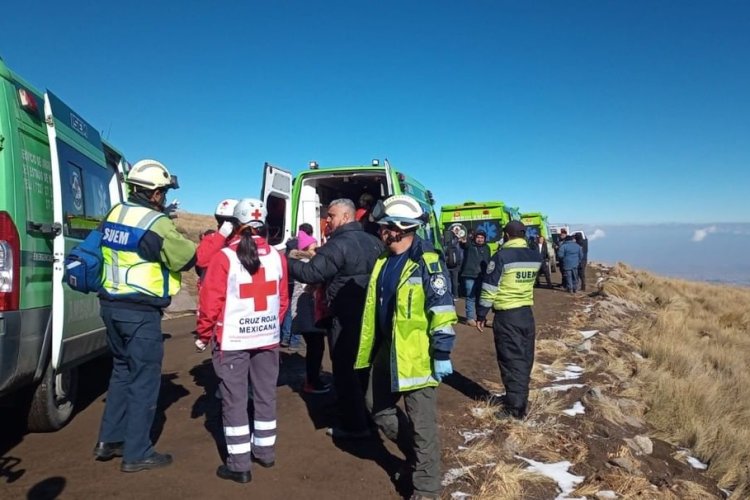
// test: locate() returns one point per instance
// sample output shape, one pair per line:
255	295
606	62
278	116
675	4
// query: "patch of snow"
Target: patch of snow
606	494
463	448
576	410
726	492
697	464
558	472
571	372
460	495
472	435
561	387
587	334
454	474
638	356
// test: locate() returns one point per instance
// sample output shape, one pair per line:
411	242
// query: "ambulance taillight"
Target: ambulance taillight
28	101
10	260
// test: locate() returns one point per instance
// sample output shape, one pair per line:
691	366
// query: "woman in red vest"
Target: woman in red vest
243	298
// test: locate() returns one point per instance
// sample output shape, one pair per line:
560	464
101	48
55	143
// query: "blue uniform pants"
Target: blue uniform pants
137	346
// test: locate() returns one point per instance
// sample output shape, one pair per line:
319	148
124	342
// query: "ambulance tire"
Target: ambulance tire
53	401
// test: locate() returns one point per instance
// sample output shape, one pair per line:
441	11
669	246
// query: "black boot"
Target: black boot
230	475
107	451
155	461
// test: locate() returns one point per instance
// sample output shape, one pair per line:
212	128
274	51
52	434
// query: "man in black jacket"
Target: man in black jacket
476	257
343	265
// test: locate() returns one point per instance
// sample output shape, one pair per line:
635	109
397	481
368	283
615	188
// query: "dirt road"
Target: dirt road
188	425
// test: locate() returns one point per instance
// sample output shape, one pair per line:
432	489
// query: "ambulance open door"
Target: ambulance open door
276	193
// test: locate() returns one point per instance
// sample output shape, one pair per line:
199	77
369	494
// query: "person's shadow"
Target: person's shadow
169	394
467	386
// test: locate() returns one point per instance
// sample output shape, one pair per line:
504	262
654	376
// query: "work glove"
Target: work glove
442	369
200	346
226	228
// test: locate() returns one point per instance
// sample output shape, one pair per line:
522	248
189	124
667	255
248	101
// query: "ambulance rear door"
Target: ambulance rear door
276	193
84	188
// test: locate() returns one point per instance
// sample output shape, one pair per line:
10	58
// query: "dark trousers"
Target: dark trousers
455	286
350	384
234	368
582	274
315	342
415	433
515	332
547	275
137	346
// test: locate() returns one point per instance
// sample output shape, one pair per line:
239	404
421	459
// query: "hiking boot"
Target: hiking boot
230	475
263	463
107	451
471	322
155	461
339	433
317	387
507	413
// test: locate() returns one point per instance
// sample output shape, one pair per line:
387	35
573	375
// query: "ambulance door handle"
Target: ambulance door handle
44	228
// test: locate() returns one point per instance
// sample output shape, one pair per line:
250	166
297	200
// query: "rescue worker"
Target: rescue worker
508	288
407	336
243	300
143	255
212	244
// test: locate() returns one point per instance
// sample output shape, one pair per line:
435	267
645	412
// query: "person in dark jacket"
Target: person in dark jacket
343	265
476	257
570	255
583	242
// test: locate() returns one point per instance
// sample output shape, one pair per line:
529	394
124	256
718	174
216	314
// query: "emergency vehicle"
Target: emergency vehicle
291	200
58	179
536	224
468	217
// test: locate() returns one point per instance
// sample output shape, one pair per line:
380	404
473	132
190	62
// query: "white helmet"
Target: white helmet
225	208
250	211
151	174
402	211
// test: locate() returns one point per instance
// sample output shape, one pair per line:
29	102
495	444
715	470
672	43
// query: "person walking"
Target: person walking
476	257
143	255
343	265
243	300
583	242
303	319
407	337
508	289
541	246
570	255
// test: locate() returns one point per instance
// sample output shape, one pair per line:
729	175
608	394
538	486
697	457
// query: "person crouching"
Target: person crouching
243	298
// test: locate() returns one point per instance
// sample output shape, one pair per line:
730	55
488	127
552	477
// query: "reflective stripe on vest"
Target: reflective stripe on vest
251	309
411	363
125	272
516	287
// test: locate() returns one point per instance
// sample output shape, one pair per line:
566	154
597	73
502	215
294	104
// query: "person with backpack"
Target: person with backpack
454	255
142	257
243	301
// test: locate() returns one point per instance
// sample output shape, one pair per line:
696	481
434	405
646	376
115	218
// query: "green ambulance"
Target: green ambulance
468	217
536	224
58	179
293	200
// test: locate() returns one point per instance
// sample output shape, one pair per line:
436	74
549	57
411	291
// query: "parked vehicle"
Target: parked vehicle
58	179
489	216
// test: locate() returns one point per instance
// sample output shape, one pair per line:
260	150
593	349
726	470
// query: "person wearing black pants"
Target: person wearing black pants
514	333
583	242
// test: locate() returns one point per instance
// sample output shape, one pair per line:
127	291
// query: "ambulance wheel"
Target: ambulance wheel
54	400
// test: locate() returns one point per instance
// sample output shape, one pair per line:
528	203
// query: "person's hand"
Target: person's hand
443	368
226	228
200	346
480	325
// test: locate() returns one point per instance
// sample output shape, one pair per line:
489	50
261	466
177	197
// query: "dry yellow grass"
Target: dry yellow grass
696	341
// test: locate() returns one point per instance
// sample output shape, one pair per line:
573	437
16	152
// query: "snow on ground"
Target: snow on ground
697	464
558	472
576	410
472	435
587	334
561	387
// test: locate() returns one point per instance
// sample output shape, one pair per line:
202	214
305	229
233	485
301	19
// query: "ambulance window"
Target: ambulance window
85	196
275	221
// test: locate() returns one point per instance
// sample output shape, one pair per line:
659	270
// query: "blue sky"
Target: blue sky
592	112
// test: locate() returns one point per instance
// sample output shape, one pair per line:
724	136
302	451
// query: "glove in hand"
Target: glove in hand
443	368
226	228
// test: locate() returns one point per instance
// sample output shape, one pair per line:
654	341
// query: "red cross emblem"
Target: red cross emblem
259	290
256	215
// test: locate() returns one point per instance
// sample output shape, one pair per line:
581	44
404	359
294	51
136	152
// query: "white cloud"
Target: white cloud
700	234
597	234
